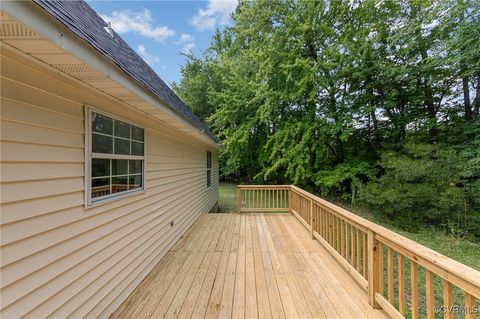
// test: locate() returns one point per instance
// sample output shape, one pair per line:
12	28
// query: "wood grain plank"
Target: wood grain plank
267	267
226	305
448	299
365	255
178	289
414	288
469	306
238	310
390	275
215	300
331	277
319	304
263	304
358	252
189	300
251	308
289	307
274	299
201	302
401	285
430	295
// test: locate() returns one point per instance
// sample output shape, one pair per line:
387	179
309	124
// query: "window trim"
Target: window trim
209	169
89	201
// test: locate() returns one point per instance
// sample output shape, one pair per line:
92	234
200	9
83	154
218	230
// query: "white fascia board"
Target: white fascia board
51	29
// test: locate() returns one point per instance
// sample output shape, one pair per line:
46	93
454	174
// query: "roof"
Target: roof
83	21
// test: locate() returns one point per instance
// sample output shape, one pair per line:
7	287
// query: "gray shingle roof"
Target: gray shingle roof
82	20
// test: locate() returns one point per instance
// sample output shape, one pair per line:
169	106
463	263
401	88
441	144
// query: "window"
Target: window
116	157
209	169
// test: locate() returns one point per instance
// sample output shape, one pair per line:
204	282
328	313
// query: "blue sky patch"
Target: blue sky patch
160	31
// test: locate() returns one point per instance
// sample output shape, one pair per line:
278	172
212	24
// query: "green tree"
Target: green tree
337	96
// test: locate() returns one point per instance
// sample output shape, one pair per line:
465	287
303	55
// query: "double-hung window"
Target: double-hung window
116	157
209	169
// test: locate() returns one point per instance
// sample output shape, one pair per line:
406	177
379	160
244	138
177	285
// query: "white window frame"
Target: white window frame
89	201
209	169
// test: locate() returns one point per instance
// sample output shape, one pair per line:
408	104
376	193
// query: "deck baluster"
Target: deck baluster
414	288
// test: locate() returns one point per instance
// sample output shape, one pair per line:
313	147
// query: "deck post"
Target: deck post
290	199
239	200
312	219
374	271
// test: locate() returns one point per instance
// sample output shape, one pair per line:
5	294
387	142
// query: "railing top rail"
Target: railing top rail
461	275
264	186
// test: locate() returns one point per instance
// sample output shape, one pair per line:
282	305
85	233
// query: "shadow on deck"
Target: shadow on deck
248	265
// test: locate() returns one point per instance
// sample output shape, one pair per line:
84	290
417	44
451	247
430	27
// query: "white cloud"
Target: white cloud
184	38
148	57
188	48
187	42
216	13
141	23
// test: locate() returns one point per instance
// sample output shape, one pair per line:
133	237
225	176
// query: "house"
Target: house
106	179
103	167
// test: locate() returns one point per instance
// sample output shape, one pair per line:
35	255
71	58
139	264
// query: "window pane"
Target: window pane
102	144
122	146
100	167
135	167
108	175
137	148
209	159
135	181
137	133
119	184
100	187
102	124
209	178
122	129
119	167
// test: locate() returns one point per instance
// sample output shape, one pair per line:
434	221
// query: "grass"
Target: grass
227	198
462	250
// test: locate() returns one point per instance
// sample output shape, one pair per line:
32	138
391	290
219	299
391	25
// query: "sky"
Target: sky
160	31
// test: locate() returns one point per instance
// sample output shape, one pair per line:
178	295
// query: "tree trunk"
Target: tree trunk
376	134
339	149
476	102
466	88
466	98
430	106
427	88
373	116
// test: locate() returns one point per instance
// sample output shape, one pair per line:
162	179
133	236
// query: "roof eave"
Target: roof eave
51	29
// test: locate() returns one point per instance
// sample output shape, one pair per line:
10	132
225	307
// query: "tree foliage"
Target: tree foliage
337	96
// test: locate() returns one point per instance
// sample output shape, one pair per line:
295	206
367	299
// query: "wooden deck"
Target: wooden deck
247	266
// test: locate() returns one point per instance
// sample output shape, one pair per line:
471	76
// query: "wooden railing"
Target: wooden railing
401	276
263	198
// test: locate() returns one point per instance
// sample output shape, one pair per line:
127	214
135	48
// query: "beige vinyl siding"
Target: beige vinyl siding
59	258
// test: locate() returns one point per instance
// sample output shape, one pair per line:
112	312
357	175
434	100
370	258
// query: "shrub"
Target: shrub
422	185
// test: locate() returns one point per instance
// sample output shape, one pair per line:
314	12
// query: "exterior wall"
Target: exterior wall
58	258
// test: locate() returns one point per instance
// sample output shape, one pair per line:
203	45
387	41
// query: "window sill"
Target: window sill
114	198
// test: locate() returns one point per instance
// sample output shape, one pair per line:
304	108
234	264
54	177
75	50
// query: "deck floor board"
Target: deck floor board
246	266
